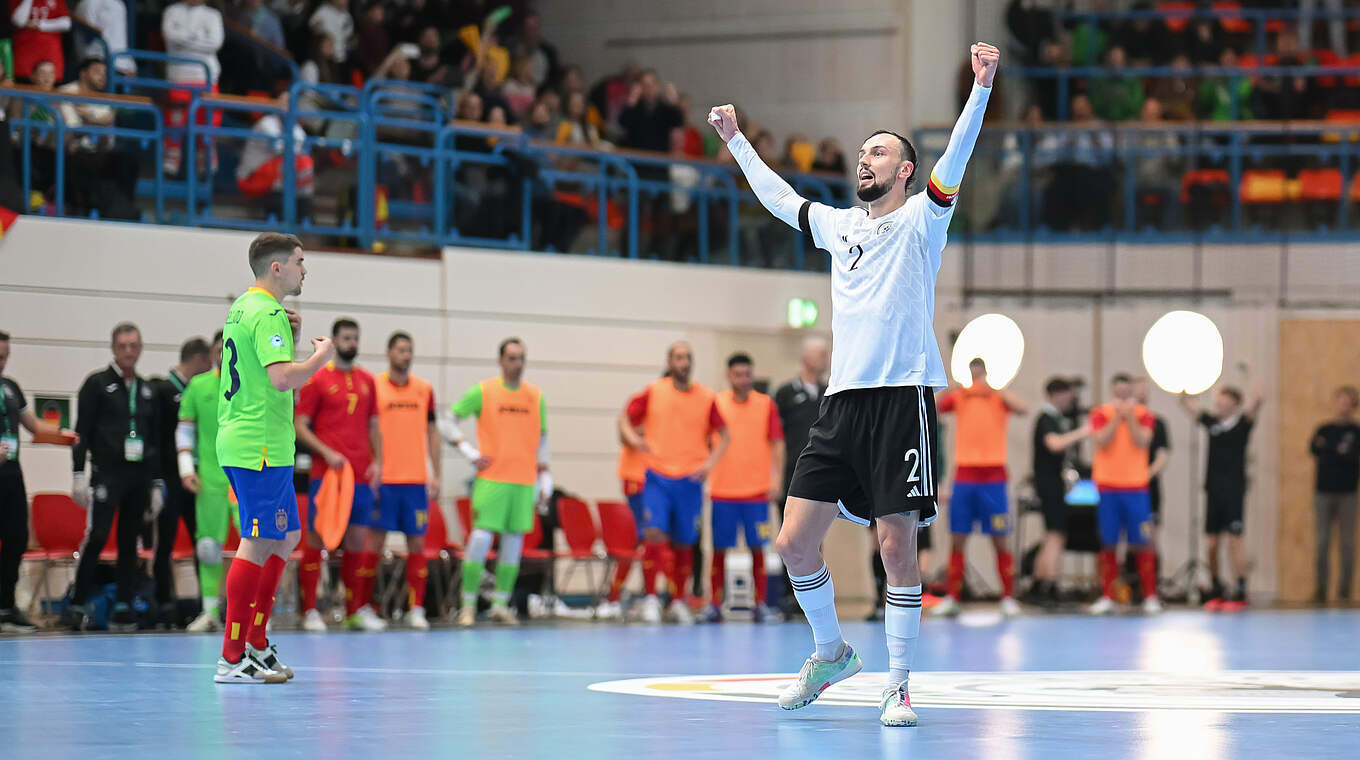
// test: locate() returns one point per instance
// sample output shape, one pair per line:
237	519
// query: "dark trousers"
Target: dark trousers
125	491
13	529
179	504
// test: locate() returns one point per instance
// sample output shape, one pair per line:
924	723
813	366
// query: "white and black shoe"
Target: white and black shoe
13	620
248	670
269	657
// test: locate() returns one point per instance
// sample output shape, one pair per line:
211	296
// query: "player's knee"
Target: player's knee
654	535
897	550
209	551
793	550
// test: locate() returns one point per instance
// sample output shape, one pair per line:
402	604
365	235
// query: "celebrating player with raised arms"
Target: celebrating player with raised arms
869	456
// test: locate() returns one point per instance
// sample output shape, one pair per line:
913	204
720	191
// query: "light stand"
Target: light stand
1184	578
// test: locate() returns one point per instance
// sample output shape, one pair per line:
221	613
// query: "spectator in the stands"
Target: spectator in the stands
530	44
1053	55
540	124
263	22
1090	35
1117	95
610	96
43	158
575	128
1032	24
332	19
490	90
1286	97
261	172
694	137
110	18
371	44
1225	97
411	18
1081	192
1156	173
1143	38
107	176
430	66
572	81
651	114
799	153
519	89
829	157
1205	41
38	27
1176	93
192	29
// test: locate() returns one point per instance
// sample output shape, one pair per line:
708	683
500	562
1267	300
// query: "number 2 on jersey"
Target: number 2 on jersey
913	456
231	370
855	263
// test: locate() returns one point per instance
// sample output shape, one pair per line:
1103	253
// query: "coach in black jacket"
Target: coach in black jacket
118	423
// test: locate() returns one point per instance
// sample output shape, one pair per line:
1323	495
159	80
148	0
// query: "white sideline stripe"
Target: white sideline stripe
304	668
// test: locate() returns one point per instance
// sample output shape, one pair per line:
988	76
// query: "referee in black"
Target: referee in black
14	412
119	429
195	357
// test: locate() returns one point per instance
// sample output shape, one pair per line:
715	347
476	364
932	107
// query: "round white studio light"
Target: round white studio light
997	340
1183	351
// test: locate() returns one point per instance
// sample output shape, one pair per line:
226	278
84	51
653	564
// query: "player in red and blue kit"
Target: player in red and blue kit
337	419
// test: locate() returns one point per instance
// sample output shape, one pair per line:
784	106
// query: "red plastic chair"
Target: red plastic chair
1320	185
578	525
1263	186
619	530
184	544
1176	24
1230	18
58	527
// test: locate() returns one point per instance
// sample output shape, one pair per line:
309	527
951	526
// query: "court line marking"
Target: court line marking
329	669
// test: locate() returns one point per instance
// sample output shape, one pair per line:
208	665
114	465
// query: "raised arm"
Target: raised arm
774	193
948	172
1190	406
1255	398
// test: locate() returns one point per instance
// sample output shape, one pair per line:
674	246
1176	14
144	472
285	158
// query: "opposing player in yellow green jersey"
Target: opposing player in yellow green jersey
255	447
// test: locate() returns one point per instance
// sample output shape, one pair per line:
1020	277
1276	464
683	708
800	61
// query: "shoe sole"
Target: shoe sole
250	681
859	665
897	724
13	628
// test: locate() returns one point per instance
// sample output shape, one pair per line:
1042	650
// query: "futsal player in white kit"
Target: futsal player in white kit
869	457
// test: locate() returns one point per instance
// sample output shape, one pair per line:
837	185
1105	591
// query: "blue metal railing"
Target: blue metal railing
1127	162
33	125
387	124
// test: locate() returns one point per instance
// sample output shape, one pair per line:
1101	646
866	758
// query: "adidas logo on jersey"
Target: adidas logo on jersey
915	492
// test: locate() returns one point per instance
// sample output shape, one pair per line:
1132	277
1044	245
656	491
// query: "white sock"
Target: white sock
816	594
903	625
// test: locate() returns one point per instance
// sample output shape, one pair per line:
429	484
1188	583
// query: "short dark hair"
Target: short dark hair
907	149
396	336
508	342
4	336
88	62
217	337
738	358
1232	393
193	347
269	247
977	362
122	328
341	324
1057	385
1121	377
1349	391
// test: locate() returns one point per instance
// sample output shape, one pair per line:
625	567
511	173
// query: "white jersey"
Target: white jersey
883	292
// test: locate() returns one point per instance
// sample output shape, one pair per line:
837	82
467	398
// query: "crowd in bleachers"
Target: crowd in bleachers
466	60
1155	91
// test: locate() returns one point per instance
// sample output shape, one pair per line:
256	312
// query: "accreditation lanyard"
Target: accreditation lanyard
133	446
8	437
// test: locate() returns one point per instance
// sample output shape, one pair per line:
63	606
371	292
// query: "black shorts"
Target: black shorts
1224	512
1053	505
872	450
